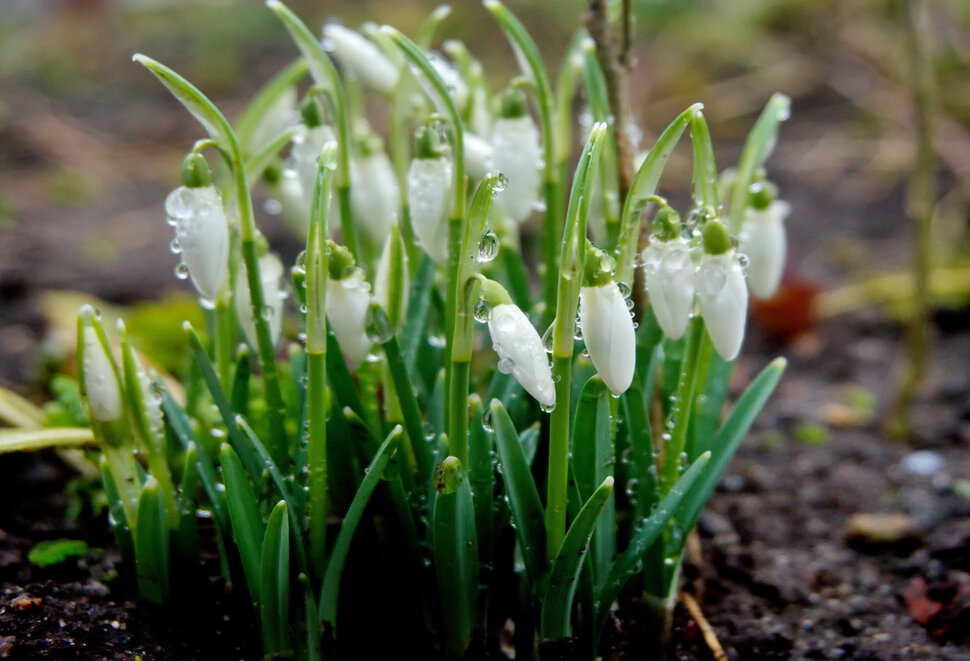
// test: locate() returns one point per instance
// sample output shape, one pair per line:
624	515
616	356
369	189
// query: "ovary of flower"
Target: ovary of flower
202	232
358	55
100	381
521	353
374	195
347	304
723	297
270	271
763	241
429	189
670	284
609	335
517	153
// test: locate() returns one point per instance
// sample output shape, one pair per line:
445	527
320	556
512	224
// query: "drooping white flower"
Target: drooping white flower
452	79
478	156
362	58
429	194
763	241
295	187
201	237
270	272
608	332
669	281
723	297
521	353
347	302
374	194
517	153
101	386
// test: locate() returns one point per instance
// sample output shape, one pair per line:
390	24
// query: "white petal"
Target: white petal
100	379
763	241
723	297
451	78
478	156
347	303
609	335
374	195
362	58
429	188
382	281
520	352
270	271
517	154
670	284
203	235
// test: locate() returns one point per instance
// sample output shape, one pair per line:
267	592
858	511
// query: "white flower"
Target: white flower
101	385
763	241
201	236
429	194
393	264
478	156
609	335
452	80
362	58
347	304
299	174
270	272
670	284
723	297
374	195
517	153
521	353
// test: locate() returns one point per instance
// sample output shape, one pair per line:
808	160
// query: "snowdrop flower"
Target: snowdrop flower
517	154
300	169
374	196
429	193
392	283
518	345
348	298
98	374
201	229
669	274
606	324
722	292
478	156
270	272
362	58
763	241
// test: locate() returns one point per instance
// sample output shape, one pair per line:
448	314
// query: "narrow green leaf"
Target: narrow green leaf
710	403
117	515
251	119
522	493
410	411
19	440
152	555
341	547
341	382
419	305
257	163
186	533
557	604
705	168
274	586
239	392
17	411
644	467
729	437
481	476
247	525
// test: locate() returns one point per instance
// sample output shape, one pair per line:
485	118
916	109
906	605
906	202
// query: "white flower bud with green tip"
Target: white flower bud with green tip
429	195
201	229
722	291
518	345
763	240
606	324
517	154
348	298
270	273
374	195
669	274
362	58
99	376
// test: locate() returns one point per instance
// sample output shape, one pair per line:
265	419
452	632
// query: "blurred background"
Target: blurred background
90	144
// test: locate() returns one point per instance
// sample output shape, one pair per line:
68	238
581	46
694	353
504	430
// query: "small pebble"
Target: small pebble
894	531
922	462
25	603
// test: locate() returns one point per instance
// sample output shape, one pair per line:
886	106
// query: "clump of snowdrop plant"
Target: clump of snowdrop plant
433	360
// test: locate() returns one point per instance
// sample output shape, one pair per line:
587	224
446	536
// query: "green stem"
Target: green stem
690	368
317	456
557	478
225	339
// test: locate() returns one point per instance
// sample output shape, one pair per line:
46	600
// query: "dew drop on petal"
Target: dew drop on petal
301	262
488	247
181	271
267	312
501	183
624	289
482	311
174	246
180	203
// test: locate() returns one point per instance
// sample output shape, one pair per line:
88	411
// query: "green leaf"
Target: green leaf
247	524
456	564
481	476
18	440
152	551
522	493
257	163
254	114
637	423
729	437
419	304
56	551
341	547
18	411
117	515
274	585
705	169
557	603
410	411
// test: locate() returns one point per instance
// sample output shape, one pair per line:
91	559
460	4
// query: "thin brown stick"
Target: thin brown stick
710	638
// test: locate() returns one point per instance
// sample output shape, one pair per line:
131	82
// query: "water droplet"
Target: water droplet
743	261
482	311
488	247
273	207
206	303
624	288
379	329
303	308
267	312
437	341
180	203
629	304
301	262
174	246
547	408
783	114
181	271
487	420
501	183
607	263
547	338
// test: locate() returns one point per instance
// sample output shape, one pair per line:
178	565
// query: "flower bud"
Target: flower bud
669	279
362	58
520	352
429	192
348	298
99	377
517	154
392	283
201	236
608	333
374	195
270	272
723	297
295	187
763	241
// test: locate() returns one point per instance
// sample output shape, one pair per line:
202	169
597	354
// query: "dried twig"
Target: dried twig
706	629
